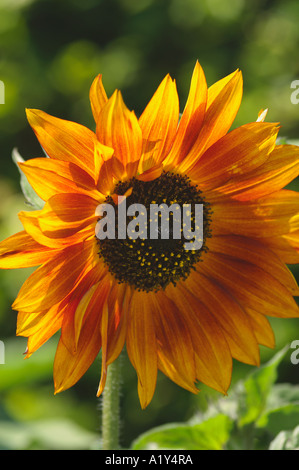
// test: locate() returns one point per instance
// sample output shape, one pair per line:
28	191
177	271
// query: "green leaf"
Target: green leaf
286	141
19	370
293	141
283	394
51	434
211	434
286	417
282	411
31	198
257	388
286	440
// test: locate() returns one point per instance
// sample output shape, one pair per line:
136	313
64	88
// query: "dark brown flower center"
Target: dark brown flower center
150	262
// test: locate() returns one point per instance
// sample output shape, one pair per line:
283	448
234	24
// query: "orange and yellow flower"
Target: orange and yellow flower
186	314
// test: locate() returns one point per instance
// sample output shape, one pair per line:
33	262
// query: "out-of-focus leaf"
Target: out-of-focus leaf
286	417
282	411
31	198
19	370
208	435
286	440
52	434
293	141
285	140
257	388
283	394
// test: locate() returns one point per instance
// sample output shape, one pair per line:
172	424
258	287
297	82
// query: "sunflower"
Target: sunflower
187	313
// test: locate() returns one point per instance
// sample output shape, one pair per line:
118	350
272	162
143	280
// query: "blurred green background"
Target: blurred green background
50	52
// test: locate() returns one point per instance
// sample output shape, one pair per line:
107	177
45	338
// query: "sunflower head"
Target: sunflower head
187	312
148	261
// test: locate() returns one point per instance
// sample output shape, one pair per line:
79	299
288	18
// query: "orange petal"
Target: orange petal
262	328
69	368
104	339
98	97
102	153
67	213
63	140
255	252
113	328
108	168
158	123
191	120
281	167
285	246
80	313
28	323
63	239
141	346
272	215
230	316
213	360
118	304
46	326
249	285
36	340
242	150
151	174
53	281
175	355
118	128
224	99
78	302
49	177
21	251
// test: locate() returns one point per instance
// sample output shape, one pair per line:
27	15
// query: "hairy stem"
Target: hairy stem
111	415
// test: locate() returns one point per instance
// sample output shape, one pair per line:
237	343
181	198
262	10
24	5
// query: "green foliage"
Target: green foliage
249	418
31	417
256	389
286	440
257	414
46	434
211	434
50	52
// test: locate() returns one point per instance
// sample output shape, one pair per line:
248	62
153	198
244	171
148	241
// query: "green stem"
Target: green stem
110	416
